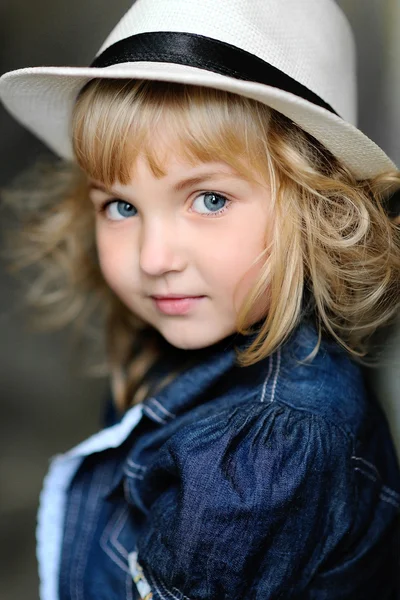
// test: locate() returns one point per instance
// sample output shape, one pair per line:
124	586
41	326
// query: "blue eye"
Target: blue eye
210	202
117	210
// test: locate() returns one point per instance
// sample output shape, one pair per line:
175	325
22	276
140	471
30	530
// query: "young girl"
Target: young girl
217	201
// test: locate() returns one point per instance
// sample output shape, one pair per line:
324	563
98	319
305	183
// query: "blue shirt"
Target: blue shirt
277	480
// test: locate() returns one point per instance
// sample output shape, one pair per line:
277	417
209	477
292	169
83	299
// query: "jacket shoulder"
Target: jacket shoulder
330	385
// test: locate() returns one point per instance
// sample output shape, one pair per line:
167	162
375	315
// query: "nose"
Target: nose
160	249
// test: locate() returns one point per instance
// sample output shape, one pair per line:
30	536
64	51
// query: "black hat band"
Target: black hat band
195	50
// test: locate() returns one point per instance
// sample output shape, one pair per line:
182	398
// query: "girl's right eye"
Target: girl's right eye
118	210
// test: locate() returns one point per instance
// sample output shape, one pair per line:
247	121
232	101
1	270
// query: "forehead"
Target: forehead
178	175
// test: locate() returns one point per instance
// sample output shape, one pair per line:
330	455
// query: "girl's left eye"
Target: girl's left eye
210	203
118	210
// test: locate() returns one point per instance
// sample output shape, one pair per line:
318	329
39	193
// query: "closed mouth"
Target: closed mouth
175	297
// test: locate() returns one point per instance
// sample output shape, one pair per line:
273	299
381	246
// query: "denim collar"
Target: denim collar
202	369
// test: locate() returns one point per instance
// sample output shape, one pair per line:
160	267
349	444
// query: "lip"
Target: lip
175	304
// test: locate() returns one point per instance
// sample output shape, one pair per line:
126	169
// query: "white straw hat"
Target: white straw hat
296	56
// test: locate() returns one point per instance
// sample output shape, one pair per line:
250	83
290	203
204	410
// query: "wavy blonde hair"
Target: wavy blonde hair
334	253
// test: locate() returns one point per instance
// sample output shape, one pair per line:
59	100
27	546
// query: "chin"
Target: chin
193	338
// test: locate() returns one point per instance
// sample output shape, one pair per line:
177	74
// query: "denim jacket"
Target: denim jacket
277	480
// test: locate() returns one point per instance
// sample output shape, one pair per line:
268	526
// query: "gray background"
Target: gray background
47	404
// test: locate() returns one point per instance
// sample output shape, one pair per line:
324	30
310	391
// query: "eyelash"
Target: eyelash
107	203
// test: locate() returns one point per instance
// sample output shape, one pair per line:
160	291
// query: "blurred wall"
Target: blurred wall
376	24
47	405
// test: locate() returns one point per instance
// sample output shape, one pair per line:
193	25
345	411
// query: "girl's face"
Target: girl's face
181	250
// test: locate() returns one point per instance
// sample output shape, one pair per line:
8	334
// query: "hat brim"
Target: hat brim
42	99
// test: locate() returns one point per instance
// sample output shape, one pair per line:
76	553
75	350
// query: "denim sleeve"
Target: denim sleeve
252	505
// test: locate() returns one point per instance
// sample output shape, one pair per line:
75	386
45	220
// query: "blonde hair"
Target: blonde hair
334	254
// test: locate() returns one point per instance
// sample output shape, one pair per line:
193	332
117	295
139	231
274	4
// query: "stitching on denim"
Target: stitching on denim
109	526
391	492
386	488
264	388
278	367
368	475
127	493
129	496
169	594
93	500
106	537
370	465
117	561
389	500
134	465
382	495
156	587
183	595
156	417
161	407
129	586
114	536
133	474
70	528
72	515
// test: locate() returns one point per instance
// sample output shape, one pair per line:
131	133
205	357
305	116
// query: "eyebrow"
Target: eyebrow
179	185
191	181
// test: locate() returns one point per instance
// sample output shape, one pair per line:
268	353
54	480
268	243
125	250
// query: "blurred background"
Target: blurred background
47	403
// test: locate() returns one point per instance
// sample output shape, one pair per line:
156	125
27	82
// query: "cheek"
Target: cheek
231	258
114	260
260	308
240	253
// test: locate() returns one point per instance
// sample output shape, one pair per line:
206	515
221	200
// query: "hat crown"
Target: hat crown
311	41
